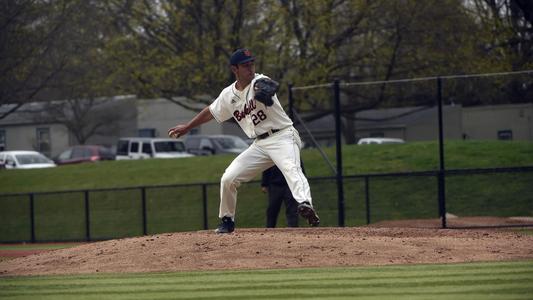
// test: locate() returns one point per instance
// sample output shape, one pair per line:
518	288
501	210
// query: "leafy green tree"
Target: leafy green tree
505	43
176	49
52	50
28	39
179	49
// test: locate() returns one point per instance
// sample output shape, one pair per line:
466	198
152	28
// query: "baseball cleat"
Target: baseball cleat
307	212
226	226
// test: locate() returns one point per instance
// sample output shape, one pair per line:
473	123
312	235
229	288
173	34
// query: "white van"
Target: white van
141	148
368	141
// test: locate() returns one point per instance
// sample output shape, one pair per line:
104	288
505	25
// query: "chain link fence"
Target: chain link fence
466	114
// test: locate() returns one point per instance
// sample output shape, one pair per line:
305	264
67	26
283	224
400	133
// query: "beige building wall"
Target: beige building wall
21	128
428	127
24	137
485	122
122	114
161	114
420	126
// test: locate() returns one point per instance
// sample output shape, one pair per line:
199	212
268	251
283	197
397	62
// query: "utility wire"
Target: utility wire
312	86
415	79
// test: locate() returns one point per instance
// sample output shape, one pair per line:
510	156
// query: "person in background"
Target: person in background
275	185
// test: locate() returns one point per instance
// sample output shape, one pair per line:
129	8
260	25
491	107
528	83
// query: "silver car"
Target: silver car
24	160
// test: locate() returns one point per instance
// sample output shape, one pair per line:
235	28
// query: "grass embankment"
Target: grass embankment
495	280
417	156
118	213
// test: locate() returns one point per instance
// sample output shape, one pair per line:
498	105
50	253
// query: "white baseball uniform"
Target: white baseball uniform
281	147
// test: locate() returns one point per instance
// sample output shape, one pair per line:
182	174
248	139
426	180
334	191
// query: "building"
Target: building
39	126
503	122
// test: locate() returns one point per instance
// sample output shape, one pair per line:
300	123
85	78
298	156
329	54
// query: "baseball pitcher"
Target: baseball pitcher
251	100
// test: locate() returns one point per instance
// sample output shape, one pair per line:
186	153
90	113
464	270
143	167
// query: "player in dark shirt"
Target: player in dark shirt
278	191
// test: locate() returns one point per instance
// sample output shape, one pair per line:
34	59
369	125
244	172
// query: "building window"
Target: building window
505	135
2	140
43	141
147	132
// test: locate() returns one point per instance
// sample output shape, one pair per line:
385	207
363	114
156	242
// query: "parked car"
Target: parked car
84	153
214	144
141	148
367	141
25	160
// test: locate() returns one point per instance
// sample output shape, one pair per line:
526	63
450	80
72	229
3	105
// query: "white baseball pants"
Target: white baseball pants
282	149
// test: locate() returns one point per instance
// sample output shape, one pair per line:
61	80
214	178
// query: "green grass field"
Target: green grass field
61	217
495	280
37	246
178	209
416	156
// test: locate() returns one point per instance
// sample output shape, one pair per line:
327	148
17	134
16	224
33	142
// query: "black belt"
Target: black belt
267	134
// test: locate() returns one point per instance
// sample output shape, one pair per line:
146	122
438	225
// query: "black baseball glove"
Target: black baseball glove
264	89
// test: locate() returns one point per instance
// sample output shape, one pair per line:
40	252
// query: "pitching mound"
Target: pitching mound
276	248
453	221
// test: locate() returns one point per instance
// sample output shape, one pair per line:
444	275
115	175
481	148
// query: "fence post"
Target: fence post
32	218
291	103
441	176
338	138
87	217
143	199
204	198
367	199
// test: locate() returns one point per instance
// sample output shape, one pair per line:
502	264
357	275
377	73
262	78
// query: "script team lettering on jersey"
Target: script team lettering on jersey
248	108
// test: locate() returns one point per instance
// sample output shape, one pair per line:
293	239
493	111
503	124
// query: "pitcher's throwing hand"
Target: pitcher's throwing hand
177	131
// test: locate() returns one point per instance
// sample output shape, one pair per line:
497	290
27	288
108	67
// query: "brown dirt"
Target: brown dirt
456	222
279	248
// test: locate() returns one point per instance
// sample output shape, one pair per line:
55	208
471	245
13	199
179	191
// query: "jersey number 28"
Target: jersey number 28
258	117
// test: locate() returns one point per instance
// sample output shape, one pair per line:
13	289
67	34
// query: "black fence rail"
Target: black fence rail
504	192
100	214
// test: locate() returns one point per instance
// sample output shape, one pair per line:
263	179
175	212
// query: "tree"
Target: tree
176	49
380	40
28	62
509	28
52	50
84	118
506	43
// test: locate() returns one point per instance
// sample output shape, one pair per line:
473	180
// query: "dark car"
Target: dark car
84	153
215	144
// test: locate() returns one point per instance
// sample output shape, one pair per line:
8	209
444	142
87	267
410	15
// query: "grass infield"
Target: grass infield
495	280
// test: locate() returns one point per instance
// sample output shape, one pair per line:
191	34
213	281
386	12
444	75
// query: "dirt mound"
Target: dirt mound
453	221
276	248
